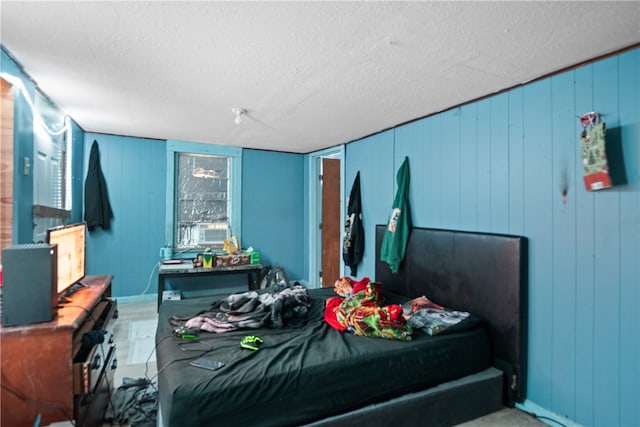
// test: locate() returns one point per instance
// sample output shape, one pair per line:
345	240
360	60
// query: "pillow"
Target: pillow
433	319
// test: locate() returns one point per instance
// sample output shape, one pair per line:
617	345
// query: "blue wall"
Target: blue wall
498	165
135	171
273	208
495	165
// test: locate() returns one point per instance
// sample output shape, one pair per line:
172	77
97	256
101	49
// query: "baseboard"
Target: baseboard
136	298
545	415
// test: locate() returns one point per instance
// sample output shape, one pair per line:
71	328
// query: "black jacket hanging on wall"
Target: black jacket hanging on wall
97	209
353	245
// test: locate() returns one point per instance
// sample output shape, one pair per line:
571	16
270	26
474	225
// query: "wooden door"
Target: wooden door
6	165
330	221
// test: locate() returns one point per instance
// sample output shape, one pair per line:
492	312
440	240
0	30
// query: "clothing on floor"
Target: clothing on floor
135	403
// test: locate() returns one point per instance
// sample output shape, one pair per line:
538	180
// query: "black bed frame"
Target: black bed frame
484	274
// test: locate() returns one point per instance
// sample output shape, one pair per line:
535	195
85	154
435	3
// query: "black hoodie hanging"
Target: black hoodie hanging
353	245
97	209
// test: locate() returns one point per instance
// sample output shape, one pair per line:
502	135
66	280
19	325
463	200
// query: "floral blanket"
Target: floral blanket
359	309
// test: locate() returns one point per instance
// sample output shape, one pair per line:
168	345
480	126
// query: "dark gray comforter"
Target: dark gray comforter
300	375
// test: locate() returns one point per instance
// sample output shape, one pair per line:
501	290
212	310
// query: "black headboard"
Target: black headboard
482	273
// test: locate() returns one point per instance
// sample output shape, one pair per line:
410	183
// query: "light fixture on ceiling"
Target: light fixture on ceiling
239	112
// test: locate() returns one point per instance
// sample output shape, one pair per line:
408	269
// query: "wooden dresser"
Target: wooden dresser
61	370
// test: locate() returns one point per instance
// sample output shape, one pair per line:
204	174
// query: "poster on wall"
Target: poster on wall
594	153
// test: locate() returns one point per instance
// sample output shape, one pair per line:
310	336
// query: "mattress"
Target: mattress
301	375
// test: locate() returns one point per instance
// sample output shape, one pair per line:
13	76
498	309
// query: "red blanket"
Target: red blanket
359	309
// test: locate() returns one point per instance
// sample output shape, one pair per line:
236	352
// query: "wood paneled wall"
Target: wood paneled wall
134	170
503	164
6	164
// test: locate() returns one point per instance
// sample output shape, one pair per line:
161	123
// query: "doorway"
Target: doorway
326	195
330	222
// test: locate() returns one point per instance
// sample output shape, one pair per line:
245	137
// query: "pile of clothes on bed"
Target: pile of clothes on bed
275	307
359	308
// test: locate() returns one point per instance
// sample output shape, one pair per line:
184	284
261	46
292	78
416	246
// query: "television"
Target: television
70	240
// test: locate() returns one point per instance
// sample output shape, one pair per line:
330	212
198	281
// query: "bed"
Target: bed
315	375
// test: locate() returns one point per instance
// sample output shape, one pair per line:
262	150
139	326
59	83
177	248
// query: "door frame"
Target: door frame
7	206
314	161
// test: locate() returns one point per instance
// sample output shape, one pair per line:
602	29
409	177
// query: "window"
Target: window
52	154
202	200
203	194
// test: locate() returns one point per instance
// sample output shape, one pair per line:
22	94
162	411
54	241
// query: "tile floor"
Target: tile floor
135	334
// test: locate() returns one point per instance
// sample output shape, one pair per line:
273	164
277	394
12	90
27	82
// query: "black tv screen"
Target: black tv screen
71	254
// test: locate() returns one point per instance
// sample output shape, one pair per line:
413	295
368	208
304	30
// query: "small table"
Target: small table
184	270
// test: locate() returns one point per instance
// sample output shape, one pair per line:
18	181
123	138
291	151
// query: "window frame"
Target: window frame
52	175
235	189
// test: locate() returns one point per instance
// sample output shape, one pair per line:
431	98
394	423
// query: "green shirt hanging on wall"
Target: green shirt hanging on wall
394	242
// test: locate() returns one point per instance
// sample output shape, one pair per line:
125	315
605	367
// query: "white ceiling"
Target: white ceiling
311	75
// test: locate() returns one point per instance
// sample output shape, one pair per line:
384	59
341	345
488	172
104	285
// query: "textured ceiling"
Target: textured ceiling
311	75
